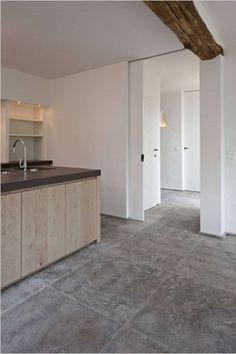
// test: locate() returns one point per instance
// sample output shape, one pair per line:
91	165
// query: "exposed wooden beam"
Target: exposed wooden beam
184	20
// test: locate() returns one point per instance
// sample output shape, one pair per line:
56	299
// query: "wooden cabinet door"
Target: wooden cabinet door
43	227
11	238
81	214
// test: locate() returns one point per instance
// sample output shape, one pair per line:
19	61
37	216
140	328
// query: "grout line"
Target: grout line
122	324
112	338
45	283
26	298
70	271
165	278
168	274
87	306
128	321
145	335
126	324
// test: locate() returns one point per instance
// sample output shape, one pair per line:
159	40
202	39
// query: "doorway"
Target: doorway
164	132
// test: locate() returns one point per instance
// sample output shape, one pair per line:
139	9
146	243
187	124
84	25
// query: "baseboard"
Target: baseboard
188	190
179	190
213	235
172	189
230	234
115	216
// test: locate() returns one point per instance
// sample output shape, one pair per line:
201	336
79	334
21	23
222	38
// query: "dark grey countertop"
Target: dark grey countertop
45	175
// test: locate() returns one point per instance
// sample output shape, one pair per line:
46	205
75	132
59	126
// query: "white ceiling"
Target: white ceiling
57	38
177	71
222	15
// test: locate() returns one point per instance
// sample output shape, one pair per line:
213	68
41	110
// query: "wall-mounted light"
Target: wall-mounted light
19	102
163	122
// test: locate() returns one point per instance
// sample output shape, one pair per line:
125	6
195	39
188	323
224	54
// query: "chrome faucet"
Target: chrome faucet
24	165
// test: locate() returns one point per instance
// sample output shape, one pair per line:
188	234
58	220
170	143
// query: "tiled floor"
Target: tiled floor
156	286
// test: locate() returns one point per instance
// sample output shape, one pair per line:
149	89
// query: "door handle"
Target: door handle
185	148
155	149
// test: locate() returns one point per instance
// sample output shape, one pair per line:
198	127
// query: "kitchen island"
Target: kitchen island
48	212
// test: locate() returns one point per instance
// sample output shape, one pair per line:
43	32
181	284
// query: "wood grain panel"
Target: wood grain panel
56	223
10	238
43	227
81	214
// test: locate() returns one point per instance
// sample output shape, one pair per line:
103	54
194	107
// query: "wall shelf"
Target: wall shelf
23	121
26	119
27	135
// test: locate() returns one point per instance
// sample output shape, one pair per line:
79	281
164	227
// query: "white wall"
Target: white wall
18	86
171	141
230	137
87	126
177	71
212	146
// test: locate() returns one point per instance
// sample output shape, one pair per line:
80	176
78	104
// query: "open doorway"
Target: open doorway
164	133
180	135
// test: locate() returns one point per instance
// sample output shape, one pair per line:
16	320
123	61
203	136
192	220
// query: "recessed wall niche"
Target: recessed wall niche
26	122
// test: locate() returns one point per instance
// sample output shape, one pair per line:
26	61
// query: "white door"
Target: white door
136	210
191	141
151	147
144	138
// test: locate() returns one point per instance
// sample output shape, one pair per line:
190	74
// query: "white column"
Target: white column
212	146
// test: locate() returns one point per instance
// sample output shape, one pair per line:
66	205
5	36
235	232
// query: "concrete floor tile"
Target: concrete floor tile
50	322
19	291
163	249
210	265
112	285
130	341
68	264
187	316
